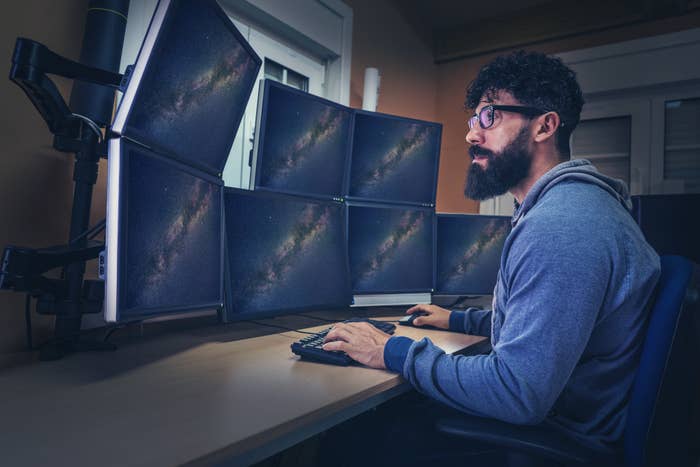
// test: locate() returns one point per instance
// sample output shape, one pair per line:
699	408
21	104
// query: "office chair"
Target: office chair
659	424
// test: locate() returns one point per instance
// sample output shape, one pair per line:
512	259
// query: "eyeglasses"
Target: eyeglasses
485	116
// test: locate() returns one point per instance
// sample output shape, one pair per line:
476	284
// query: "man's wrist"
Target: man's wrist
456	321
395	353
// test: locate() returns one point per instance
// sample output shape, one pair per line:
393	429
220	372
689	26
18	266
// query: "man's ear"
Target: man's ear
546	125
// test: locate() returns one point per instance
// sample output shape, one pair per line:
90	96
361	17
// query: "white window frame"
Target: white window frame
640	139
319	28
660	185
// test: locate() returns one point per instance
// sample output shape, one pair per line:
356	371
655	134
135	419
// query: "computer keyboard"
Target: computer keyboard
310	348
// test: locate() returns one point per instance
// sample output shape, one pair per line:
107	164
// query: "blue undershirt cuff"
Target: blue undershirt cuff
395	352
457	318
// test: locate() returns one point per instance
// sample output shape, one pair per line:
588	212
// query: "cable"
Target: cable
279	327
319	318
108	10
459	301
110	331
92	125
99	227
91	232
28	321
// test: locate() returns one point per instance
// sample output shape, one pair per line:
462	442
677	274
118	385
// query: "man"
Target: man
576	274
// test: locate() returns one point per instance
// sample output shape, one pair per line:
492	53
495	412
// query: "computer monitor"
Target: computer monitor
302	143
190	85
284	253
669	223
391	251
164	236
469	252
394	159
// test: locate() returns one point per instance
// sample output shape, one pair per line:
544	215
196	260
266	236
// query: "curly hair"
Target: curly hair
535	80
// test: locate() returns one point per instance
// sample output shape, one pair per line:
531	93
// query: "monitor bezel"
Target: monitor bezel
433	220
260	132
436	168
437	228
231	315
121	119
117	213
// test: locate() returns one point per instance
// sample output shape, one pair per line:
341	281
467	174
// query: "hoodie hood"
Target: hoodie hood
580	170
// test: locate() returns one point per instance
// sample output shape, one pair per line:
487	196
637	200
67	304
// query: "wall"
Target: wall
454	76
384	40
35	180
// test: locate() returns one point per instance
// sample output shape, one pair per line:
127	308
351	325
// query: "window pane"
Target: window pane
606	143
682	143
273	70
296	80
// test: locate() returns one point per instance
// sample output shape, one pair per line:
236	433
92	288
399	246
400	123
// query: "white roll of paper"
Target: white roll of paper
371	91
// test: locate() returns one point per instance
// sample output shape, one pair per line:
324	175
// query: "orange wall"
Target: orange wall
384	40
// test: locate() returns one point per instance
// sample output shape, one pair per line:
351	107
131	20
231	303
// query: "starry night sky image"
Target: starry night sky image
305	144
195	87
284	253
391	249
394	159
173	236
468	253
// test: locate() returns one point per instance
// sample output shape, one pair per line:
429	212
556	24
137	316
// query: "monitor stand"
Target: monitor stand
387	299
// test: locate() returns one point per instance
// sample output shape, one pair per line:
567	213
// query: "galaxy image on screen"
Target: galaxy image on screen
391	249
393	159
284	253
195	87
468	253
305	144
172	236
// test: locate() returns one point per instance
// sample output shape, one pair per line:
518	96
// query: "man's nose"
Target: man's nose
475	135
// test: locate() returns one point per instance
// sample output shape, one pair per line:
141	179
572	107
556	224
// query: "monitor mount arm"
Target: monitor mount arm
22	268
31	62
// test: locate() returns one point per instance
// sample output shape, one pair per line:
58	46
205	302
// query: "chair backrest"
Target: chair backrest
658	412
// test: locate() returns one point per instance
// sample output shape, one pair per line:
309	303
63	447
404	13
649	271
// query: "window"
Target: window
681	162
606	143
281	63
277	72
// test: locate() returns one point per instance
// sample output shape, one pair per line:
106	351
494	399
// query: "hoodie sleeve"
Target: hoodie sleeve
556	276
473	321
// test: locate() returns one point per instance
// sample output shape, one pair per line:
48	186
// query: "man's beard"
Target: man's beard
503	171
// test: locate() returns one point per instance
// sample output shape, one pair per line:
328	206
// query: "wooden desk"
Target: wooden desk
185	399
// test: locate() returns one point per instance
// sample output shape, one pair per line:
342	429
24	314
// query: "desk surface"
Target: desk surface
183	399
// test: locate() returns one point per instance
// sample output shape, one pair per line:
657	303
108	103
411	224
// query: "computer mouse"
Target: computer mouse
409	319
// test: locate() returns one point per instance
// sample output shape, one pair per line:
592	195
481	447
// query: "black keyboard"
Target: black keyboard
309	348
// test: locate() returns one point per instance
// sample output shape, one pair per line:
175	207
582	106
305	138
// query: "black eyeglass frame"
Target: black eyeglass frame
524	110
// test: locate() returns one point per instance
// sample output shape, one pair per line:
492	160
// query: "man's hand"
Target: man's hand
436	316
361	341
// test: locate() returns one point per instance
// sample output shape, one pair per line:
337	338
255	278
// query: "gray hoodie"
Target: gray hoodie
568	315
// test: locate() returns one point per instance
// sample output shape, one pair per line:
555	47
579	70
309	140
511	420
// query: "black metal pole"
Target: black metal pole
102	47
